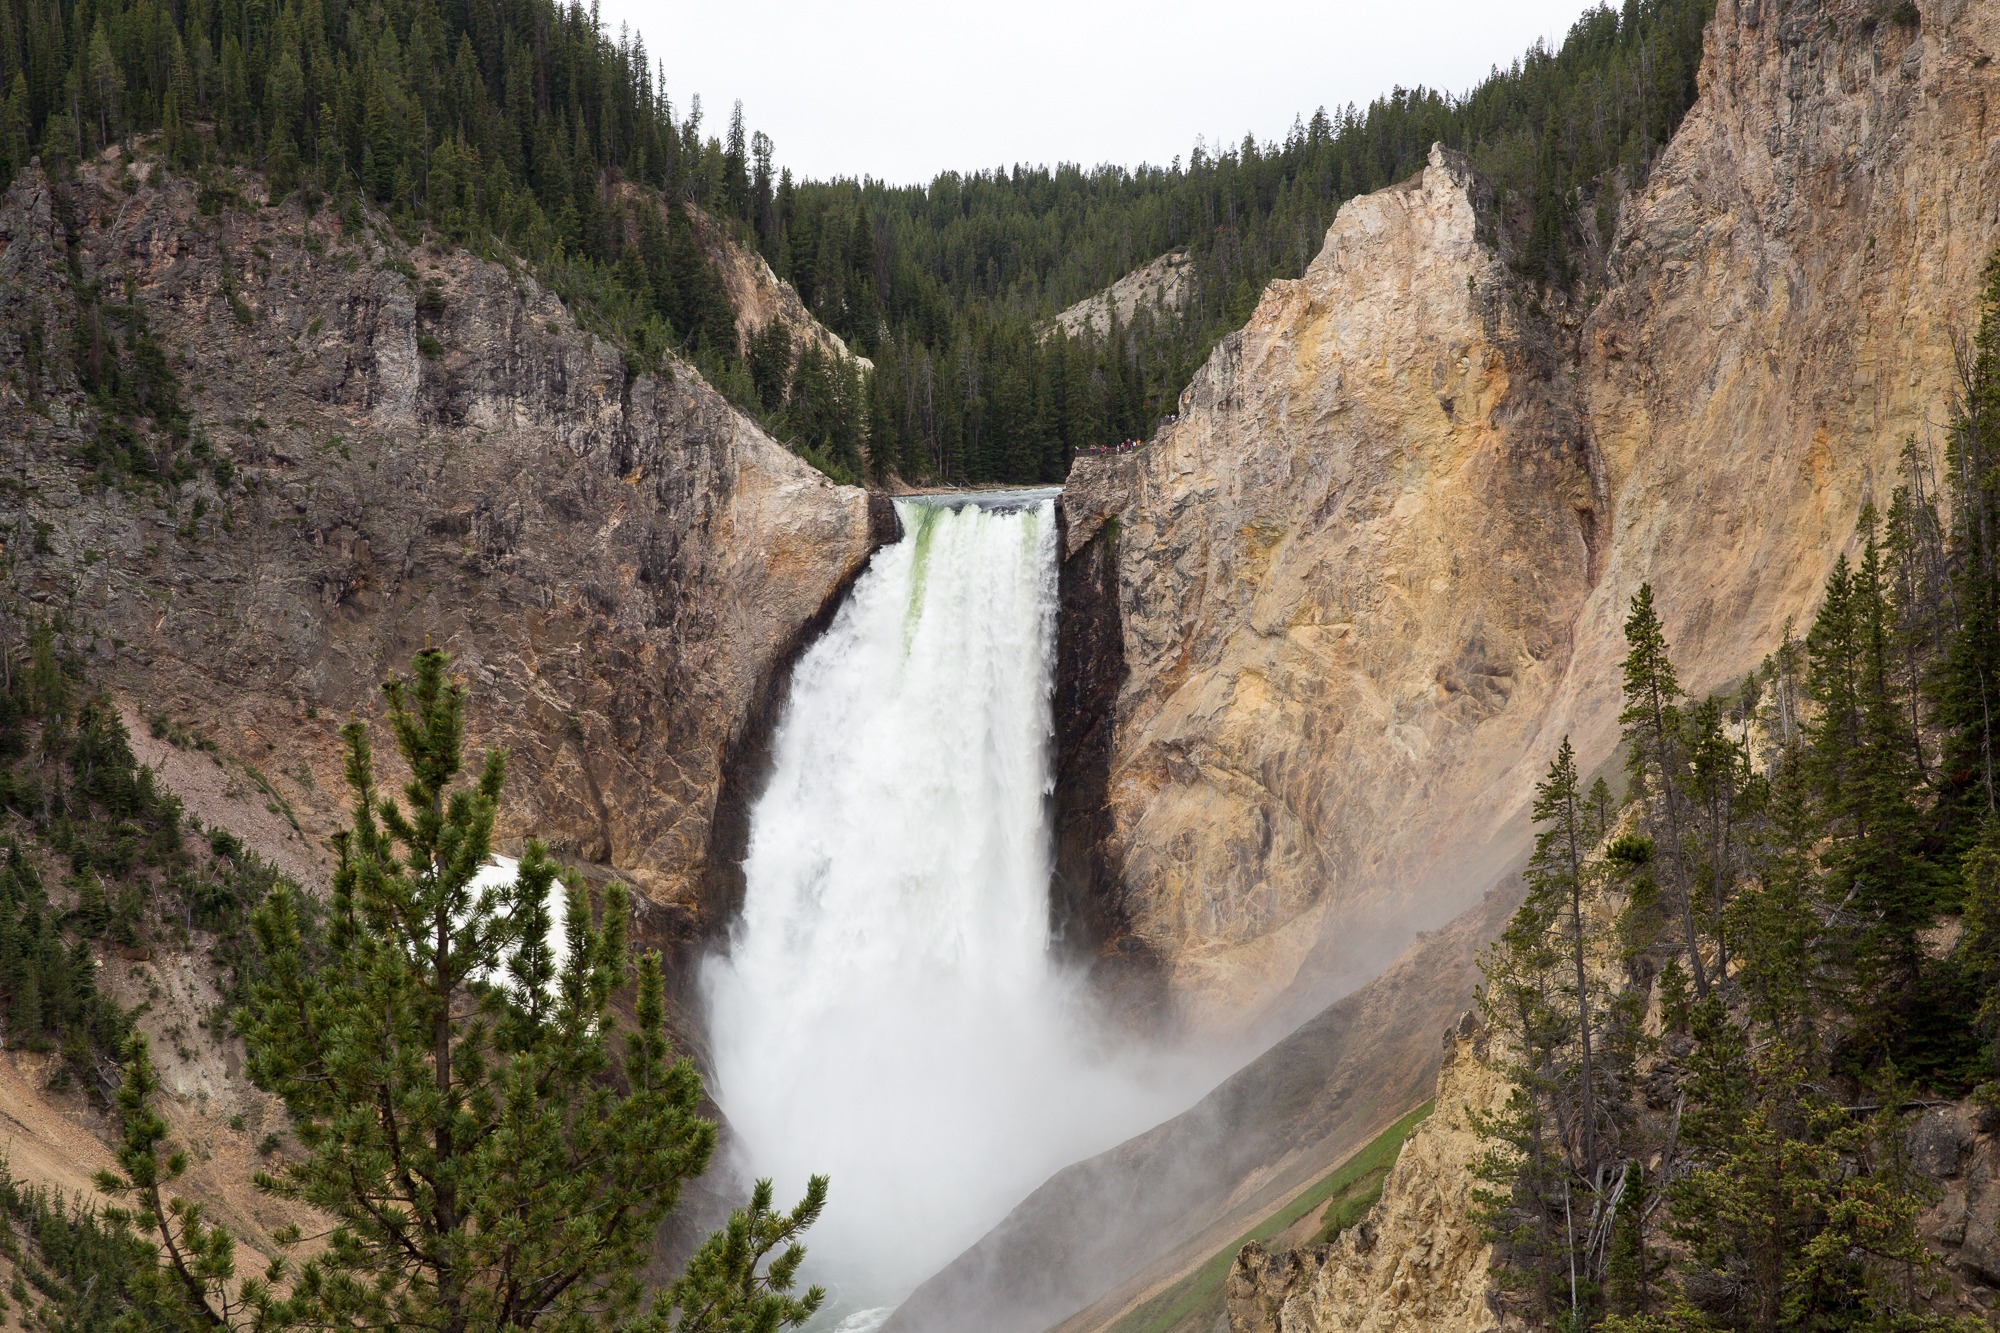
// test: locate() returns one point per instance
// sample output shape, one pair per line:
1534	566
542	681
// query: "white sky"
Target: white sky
903	89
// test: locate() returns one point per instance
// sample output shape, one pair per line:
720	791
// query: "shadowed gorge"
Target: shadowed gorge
1090	670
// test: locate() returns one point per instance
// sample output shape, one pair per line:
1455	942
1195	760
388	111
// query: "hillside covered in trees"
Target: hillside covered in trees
523	126
1731	991
949	287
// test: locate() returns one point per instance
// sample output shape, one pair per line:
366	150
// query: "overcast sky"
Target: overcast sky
903	89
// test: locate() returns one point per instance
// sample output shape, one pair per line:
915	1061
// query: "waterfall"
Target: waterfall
888	1011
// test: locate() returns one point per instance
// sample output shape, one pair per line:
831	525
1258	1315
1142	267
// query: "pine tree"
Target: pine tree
1861	763
183	145
1915	564
1653	732
1628	1266
1977	955
1522	1172
489	1157
191	1284
1598	805
1966	680
105	85
1718	783
1781	945
1556	874
771	365
1805	1214
1835	652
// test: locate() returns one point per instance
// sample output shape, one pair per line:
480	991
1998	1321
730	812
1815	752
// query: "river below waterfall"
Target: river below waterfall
888	1011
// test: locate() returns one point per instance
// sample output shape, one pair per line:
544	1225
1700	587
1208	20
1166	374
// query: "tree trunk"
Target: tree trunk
1582	988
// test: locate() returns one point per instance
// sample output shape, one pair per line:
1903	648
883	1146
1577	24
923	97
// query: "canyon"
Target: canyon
1379	564
1316	639
1378	567
400	445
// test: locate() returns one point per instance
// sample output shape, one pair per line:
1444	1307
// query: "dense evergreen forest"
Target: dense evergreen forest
1801	886
524	126
948	287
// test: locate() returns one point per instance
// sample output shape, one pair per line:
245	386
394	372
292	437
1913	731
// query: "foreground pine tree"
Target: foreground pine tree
1556	873
491	1155
1656	760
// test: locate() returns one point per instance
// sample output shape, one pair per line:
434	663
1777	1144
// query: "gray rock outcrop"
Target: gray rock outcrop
410	445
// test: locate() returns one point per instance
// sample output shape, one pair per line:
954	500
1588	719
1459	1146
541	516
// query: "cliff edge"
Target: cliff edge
1378	566
389	445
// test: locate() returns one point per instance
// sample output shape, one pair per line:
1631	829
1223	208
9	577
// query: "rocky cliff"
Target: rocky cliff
1345	575
1379	565
1417	1263
1160	287
389	445
1957	1147
760	297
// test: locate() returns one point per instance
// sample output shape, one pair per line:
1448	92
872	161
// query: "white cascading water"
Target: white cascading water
888	1012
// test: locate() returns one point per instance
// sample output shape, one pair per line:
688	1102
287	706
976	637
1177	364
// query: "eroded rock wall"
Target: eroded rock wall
1160	287
1957	1147
1346	577
1785	294
1418	1262
1090	671
760	297
1380	563
420	446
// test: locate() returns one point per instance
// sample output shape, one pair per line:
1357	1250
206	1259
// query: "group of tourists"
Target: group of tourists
1122	447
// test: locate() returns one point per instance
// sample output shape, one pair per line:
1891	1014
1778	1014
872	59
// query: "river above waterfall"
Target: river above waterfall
888	1011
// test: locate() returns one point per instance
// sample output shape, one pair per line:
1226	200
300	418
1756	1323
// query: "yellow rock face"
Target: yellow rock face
1379	565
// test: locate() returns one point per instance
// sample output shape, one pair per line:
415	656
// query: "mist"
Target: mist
888	1011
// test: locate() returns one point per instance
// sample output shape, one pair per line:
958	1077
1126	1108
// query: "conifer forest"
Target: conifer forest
1805	871
524	126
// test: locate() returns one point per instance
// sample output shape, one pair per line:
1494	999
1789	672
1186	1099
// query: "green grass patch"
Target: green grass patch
1352	1201
1346	1194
